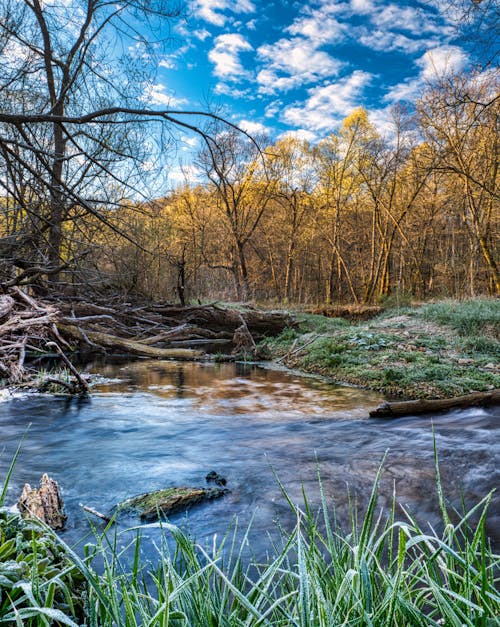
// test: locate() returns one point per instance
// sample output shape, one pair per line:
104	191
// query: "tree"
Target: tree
341	158
290	167
460	118
72	115
242	190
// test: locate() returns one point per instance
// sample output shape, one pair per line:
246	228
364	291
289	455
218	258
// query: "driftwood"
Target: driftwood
29	325
425	406
167	331
153	505
82	384
94	512
24	325
44	503
130	346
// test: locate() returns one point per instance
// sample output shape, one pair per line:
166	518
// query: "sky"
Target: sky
285	67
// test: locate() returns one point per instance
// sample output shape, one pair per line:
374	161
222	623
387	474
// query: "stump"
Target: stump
44	503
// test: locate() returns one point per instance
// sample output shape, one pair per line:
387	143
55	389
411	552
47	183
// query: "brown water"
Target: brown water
157	424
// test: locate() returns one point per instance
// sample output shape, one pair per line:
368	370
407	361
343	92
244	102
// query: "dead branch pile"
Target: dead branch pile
25	325
166	331
30	326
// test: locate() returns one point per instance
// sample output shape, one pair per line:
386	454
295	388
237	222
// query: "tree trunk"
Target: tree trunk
424	406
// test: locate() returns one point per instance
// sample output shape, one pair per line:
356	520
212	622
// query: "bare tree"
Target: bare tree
235	170
73	123
460	117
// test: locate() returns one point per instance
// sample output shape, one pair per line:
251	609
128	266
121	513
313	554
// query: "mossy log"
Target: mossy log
44	503
129	346
427	406
152	505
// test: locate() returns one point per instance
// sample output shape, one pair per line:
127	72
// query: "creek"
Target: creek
152	424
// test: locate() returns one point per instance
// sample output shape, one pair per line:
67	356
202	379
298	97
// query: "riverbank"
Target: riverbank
436	350
382	572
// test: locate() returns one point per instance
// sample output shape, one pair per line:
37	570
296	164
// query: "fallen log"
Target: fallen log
129	346
153	505
354	313
427	406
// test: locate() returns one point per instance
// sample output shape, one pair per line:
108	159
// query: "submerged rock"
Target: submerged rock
152	505
214	477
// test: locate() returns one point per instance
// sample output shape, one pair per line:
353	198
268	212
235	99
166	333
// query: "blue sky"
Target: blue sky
300	67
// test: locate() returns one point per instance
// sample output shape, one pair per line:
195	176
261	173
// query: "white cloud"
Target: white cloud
225	55
293	62
230	90
273	108
404	92
388	41
362	6
201	34
167	63
157	94
253	128
178	175
300	133
441	61
213	10
433	64
411	19
328	104
383	120
190	141
320	25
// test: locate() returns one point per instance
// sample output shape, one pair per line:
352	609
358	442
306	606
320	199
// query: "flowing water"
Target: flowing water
154	424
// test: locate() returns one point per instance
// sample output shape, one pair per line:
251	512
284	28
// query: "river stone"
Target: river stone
151	505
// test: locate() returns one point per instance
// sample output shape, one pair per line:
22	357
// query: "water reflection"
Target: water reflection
154	424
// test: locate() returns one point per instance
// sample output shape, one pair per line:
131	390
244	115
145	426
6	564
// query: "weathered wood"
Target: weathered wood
152	505
7	304
94	512
164	331
426	406
82	384
44	503
130	346
243	340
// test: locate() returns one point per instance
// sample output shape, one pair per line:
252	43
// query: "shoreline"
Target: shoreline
437	350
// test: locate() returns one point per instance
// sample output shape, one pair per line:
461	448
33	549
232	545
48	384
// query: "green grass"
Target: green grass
469	318
437	350
387	570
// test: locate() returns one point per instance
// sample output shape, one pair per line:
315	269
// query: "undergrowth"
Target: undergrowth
436	350
388	570
469	318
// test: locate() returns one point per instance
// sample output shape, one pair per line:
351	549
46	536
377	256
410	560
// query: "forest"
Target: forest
360	216
247	319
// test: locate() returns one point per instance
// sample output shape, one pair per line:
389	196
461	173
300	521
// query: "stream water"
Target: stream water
154	424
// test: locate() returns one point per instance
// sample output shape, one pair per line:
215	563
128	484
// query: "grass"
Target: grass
387	570
469	318
436	350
